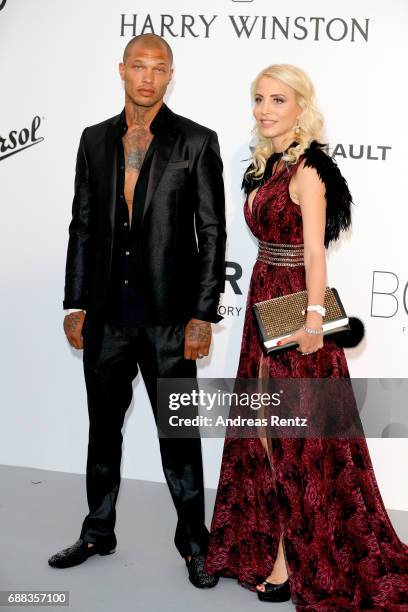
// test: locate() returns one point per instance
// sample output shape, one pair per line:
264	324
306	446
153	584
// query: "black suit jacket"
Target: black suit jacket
182	243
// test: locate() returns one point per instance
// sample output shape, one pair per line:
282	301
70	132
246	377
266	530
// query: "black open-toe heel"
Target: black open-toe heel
274	592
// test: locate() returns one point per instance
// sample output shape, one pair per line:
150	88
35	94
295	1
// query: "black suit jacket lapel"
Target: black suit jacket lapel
162	152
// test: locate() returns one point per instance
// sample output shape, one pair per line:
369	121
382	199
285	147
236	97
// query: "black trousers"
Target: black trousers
112	358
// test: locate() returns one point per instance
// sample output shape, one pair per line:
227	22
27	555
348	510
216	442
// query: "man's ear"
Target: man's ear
122	70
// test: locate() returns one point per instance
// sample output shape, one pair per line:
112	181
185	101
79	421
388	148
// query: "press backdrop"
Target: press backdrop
59	74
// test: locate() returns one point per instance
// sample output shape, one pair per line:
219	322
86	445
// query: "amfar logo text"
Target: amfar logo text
2	4
18	140
262	27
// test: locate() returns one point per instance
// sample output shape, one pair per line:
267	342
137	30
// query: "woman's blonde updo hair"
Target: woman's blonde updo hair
310	121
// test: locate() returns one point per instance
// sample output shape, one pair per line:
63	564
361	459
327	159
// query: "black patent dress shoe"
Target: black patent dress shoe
77	553
196	574
274	592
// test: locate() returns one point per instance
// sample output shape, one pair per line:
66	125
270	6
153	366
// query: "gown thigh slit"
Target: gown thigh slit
267	446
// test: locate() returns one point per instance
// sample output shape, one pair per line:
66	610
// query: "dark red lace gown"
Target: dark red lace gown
341	549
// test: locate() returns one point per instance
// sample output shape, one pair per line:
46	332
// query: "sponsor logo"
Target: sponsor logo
2	4
233	273
266	27
361	151
225	310
167	26
18	140
262	27
387	297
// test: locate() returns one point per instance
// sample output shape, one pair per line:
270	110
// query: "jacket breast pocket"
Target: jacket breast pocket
178	165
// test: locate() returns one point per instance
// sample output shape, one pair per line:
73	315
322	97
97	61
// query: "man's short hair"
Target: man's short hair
148	39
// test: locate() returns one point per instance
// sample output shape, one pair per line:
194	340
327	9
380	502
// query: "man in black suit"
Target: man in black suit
144	271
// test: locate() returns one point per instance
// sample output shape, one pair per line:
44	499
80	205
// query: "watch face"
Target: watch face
317	308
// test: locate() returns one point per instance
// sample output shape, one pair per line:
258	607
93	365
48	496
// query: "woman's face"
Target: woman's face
275	110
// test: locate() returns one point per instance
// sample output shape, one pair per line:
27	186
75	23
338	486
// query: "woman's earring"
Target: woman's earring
297	128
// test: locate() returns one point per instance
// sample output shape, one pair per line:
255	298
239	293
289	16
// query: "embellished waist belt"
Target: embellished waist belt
281	254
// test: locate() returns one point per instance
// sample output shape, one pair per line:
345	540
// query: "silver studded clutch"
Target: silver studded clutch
280	317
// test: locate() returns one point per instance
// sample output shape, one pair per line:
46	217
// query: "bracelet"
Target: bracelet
310	330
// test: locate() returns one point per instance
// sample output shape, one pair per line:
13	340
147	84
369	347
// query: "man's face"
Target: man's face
146	74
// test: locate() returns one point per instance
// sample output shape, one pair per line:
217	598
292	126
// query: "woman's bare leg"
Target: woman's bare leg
279	573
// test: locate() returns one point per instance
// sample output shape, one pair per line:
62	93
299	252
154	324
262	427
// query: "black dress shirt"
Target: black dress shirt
126	304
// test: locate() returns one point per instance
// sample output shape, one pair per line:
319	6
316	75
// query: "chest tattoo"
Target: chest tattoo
136	142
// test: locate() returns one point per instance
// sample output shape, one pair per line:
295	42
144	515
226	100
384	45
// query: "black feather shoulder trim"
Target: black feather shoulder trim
338	196
249	183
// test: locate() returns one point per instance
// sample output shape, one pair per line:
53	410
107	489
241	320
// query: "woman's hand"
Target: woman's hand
308	342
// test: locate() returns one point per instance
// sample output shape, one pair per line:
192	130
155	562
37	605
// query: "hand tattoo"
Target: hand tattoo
199	332
71	322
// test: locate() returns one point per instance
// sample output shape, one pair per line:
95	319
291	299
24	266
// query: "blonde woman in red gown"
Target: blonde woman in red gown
305	519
